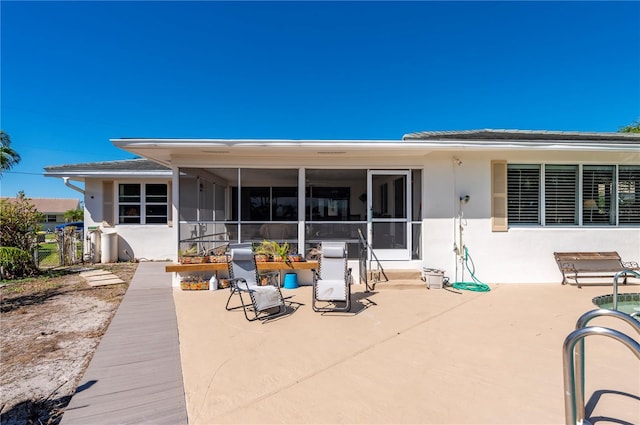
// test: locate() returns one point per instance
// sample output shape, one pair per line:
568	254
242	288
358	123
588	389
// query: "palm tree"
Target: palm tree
8	156
631	128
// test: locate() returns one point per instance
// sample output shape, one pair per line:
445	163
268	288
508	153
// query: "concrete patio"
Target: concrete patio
403	356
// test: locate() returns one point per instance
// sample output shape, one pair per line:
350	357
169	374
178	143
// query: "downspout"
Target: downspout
72	186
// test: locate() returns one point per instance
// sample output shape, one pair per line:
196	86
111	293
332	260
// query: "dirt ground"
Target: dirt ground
49	330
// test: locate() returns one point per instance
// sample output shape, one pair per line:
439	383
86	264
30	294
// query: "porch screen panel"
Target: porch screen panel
523	194
629	195
336	195
597	195
188	200
561	189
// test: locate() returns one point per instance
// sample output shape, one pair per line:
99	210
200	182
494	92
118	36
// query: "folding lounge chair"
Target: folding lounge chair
244	279
332	282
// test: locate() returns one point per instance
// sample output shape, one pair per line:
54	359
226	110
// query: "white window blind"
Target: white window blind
629	194
523	194
561	195
597	193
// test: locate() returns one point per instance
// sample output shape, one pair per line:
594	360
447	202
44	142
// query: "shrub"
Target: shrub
16	263
19	222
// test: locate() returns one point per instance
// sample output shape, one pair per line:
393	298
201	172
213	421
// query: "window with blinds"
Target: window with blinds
523	194
597	193
629	194
605	195
561	195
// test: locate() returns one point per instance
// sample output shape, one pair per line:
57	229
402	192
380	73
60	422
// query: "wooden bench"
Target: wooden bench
591	265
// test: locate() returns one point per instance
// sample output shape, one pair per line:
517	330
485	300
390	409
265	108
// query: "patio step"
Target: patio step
400	279
400	284
399	274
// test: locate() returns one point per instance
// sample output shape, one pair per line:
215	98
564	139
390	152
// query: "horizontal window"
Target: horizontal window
142	204
561	195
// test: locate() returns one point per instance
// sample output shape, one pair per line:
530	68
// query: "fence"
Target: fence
59	249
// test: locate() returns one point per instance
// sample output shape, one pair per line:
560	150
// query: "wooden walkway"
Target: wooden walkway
135	376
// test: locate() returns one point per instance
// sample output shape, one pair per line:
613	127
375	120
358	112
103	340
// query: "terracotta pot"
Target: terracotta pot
261	258
217	258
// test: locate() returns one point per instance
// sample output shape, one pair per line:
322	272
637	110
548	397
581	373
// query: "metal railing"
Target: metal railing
367	254
624	273
573	359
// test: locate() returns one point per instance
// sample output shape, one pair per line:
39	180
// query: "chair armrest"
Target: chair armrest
233	284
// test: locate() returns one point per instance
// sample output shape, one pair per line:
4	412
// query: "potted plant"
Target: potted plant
274	250
186	256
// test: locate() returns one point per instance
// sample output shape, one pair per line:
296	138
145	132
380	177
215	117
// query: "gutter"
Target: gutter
72	186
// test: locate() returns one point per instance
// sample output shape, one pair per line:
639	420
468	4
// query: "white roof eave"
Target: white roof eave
75	175
354	146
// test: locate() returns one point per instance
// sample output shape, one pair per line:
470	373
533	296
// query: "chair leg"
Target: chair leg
281	308
335	308
244	306
231	292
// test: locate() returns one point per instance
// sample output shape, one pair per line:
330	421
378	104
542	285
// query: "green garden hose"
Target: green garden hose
476	285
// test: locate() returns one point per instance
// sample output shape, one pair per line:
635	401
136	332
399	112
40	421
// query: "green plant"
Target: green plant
74	215
273	249
19	222
16	263
8	156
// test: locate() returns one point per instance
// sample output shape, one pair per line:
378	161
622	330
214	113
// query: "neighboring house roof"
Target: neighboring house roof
52	205
128	167
524	135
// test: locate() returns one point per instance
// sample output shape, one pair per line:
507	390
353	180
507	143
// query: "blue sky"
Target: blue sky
75	74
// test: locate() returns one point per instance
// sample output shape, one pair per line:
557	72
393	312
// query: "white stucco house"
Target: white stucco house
508	198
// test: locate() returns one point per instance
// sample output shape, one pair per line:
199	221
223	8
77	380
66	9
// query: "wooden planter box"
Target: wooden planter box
218	259
193	260
194	286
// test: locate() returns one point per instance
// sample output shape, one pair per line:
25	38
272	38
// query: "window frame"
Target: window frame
613	177
524	194
141	204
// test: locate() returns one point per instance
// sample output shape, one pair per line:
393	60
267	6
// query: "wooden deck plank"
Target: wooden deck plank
135	376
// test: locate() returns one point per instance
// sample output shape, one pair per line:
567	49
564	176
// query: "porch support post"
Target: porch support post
301	209
175	216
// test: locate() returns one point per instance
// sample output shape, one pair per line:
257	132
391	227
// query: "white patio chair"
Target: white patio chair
244	279
332	280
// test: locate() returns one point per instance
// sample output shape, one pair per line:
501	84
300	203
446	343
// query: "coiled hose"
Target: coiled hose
476	285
